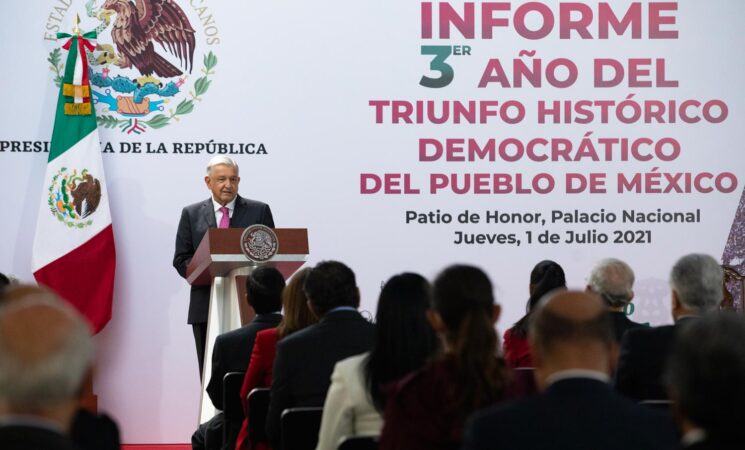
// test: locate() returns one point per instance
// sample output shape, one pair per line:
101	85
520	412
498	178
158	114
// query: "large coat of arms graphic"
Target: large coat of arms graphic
141	68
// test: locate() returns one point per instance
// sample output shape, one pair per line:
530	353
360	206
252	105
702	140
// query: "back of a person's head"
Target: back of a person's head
571	326
264	289
697	280
18	292
463	298
545	277
404	338
297	315
613	280
706	374
329	285
46	350
4	282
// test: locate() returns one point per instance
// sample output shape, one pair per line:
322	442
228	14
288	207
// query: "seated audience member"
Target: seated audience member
404	341
544	278
89	431
233	349
572	344
297	316
613	281
705	375
305	360
46	352
426	410
696	283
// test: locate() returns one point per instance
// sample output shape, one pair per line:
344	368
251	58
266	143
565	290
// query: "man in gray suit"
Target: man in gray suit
224	209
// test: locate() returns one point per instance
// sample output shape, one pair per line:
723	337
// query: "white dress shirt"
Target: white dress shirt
218	213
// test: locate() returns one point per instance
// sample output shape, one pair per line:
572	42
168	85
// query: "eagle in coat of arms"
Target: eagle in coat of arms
139	23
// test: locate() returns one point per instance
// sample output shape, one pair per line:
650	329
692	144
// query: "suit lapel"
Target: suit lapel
208	213
239	212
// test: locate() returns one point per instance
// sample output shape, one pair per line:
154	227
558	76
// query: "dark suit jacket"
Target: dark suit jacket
195	219
642	361
305	360
94	431
573	414
621	324
24	437
233	350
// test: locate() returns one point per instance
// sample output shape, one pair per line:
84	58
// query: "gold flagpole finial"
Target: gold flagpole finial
76	28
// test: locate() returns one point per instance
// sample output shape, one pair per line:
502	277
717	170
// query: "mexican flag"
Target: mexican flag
74	252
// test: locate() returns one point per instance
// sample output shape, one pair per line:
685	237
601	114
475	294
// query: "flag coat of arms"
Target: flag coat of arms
74	252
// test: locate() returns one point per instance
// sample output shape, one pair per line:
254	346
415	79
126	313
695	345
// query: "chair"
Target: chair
300	427
359	443
258	408
232	407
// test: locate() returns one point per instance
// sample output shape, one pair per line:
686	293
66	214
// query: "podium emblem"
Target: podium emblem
259	243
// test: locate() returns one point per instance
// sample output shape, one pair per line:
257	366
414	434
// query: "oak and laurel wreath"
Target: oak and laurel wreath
186	106
56	65
53	208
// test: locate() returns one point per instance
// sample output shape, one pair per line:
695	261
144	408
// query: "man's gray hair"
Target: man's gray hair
612	280
29	382
221	160
697	279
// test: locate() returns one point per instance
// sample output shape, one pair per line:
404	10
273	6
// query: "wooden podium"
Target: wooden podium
220	263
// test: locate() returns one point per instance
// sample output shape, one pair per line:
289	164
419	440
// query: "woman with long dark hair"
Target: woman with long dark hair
544	278
427	409
404	341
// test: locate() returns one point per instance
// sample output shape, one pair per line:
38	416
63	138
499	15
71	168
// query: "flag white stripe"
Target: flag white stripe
77	77
53	239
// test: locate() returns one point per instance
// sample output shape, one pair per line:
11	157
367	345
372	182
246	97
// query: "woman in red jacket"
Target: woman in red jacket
544	278
259	373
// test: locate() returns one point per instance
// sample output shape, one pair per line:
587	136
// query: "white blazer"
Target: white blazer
348	410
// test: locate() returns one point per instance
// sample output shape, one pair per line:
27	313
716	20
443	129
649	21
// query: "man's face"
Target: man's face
223	182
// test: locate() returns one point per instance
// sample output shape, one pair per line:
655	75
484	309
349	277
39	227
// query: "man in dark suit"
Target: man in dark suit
305	360
696	283
233	350
613	281
572	347
705	376
46	352
224	209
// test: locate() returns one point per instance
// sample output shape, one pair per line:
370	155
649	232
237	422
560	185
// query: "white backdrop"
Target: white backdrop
297	77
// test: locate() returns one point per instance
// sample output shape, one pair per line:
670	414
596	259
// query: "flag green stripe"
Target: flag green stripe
68	130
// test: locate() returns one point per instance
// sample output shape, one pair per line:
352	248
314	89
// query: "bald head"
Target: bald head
571	329
45	352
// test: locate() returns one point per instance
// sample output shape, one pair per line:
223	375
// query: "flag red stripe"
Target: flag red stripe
84	60
85	277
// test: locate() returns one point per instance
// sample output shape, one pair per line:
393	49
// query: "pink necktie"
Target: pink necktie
225	219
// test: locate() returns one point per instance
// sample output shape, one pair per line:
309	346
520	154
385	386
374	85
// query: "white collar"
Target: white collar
577	373
693	436
230	205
